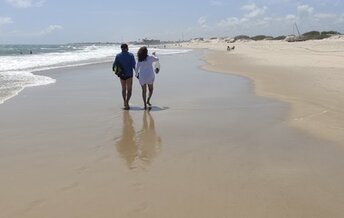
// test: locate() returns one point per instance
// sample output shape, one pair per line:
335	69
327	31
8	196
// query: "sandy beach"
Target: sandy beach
308	75
210	147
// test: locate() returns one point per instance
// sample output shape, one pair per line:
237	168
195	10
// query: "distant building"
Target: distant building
150	41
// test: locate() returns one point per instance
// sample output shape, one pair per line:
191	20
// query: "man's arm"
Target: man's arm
133	62
114	63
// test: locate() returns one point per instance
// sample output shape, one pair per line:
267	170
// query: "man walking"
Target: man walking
125	63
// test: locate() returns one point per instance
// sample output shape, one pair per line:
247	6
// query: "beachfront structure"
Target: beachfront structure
150	41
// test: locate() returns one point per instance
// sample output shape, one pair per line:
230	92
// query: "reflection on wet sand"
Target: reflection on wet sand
138	148
148	141
126	145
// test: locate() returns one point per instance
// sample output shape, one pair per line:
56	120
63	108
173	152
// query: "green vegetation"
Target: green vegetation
240	37
318	35
279	38
330	33
312	35
261	37
257	37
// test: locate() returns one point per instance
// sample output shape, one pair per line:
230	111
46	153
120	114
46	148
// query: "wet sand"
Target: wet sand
308	75
208	148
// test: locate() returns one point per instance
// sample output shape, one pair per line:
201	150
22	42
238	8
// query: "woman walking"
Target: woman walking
145	73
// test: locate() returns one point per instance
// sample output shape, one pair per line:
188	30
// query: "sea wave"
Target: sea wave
17	67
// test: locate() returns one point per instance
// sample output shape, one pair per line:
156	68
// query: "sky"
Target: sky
67	21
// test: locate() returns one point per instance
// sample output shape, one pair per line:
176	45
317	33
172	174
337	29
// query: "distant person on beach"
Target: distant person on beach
145	73
229	48
125	61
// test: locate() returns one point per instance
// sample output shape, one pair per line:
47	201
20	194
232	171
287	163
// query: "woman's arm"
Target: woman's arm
153	57
137	68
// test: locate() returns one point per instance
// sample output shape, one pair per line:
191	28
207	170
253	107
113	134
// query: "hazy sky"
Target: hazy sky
62	21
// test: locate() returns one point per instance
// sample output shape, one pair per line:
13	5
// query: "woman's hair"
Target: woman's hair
142	54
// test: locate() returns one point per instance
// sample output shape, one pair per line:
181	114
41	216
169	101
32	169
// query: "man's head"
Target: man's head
124	47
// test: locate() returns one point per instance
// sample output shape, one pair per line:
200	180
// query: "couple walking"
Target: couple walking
126	64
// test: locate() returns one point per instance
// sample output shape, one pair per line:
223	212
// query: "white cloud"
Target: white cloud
290	18
202	21
230	21
265	21
50	29
253	17
325	16
341	19
253	10
39	3
337	3
256	20
26	3
249	7
5	20
216	3
304	11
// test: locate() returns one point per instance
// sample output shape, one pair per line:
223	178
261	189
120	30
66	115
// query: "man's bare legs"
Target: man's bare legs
126	91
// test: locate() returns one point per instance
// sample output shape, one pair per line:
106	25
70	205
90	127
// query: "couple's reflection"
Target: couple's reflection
138	148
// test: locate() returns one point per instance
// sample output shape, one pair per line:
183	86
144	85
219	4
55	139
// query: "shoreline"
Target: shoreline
311	82
213	148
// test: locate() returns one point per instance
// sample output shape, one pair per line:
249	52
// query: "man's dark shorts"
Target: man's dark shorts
125	77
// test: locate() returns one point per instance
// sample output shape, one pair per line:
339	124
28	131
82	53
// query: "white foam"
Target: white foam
12	83
89	54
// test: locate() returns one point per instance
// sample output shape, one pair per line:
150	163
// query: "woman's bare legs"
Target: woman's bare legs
144	95
150	88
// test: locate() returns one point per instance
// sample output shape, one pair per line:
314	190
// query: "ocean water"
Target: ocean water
19	62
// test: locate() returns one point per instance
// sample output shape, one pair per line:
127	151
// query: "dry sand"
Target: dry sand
208	148
309	75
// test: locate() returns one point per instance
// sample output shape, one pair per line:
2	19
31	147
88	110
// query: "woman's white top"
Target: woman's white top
144	70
